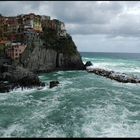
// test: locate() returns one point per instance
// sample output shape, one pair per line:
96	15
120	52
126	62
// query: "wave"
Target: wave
14	128
24	90
116	67
108	122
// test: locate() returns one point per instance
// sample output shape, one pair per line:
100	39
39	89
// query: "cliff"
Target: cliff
48	48
50	52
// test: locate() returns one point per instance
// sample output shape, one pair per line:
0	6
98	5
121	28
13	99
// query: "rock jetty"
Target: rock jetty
117	76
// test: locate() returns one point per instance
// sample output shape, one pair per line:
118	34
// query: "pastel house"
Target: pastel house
15	51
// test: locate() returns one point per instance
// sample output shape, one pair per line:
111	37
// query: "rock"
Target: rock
39	88
53	84
42	84
88	63
18	77
120	77
56	54
6	87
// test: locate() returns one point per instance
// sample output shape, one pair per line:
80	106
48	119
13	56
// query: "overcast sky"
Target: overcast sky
95	26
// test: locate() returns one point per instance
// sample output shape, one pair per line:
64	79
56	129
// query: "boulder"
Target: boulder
88	63
53	84
18	77
6	87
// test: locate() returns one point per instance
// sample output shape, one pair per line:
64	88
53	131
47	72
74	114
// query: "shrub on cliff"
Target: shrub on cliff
60	44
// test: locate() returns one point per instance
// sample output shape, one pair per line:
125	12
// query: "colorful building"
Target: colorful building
15	51
37	24
32	21
12	24
3	27
4	42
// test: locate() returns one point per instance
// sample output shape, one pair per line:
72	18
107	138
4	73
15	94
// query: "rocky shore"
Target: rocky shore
47	50
52	54
12	77
120	77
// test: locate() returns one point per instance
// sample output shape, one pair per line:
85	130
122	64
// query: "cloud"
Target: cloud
82	17
86	12
100	43
13	8
117	22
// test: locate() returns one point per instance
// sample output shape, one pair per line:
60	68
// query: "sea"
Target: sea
83	105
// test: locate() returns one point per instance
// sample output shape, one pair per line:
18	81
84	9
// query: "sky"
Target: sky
95	26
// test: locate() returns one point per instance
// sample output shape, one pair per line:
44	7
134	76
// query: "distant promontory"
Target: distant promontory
36	43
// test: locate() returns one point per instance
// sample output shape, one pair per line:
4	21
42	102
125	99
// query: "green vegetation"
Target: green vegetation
49	35
63	45
66	46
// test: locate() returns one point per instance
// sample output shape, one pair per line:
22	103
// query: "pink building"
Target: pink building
15	50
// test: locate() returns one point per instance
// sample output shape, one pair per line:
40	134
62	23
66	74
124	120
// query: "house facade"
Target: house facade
32	21
15	51
12	24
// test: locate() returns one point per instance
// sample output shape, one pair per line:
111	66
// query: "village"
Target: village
15	31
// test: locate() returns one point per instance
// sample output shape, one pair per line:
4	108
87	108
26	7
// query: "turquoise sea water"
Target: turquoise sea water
83	105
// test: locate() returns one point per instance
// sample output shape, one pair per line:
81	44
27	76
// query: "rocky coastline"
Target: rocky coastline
48	49
12	77
117	76
53	54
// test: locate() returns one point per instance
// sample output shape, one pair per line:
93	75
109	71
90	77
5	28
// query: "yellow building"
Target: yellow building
32	21
37	24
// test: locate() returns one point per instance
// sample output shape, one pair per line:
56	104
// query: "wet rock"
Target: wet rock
59	54
54	83
120	77
6	87
88	63
18	77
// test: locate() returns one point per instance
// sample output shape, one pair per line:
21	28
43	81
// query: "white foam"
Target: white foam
65	82
73	90
24	90
106	122
3	96
60	72
41	76
54	132
118	65
12	129
44	88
